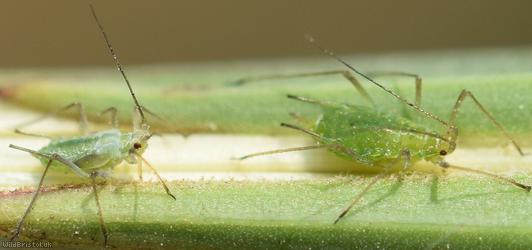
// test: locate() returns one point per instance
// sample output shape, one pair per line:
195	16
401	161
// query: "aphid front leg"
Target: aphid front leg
83	122
452	135
166	189
452	130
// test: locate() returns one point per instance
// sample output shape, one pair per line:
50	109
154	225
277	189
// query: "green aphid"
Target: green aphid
377	139
93	155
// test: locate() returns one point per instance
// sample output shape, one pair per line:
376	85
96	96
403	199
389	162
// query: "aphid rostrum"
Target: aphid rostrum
94	155
378	139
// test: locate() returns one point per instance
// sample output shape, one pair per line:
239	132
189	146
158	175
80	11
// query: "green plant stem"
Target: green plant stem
415	212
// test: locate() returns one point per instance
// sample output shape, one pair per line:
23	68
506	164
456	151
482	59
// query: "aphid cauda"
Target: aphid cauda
94	155
378	139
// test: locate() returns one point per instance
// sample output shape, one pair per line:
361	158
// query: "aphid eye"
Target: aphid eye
443	152
137	145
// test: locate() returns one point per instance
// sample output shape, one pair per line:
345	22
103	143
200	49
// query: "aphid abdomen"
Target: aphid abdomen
99	150
373	138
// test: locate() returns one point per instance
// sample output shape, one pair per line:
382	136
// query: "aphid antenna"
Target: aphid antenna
339	59
117	63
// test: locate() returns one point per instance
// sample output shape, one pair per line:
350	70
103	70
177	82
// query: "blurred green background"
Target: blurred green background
62	32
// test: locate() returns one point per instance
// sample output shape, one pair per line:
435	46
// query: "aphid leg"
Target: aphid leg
83	122
359	196
405	154
55	157
418	81
278	151
452	131
446	165
113	113
345	73
100	213
30	206
157	174
51	158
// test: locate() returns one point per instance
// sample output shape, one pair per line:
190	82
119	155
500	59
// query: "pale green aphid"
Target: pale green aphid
94	155
378	139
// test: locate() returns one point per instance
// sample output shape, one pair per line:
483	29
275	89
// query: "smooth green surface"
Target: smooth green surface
418	212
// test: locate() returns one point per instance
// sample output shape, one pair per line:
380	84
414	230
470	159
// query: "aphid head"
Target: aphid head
439	148
445	148
139	141
135	143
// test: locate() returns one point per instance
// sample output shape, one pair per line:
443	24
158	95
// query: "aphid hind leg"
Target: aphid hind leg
112	111
73	167
345	73
405	154
452	130
32	202
55	157
83	121
417	81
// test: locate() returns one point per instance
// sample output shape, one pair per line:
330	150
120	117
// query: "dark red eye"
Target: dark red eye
137	145
443	152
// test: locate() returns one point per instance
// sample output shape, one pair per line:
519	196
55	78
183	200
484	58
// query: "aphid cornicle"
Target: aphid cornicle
378	139
94	155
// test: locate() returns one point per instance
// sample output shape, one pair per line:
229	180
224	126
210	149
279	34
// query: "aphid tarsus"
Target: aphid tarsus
93	155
